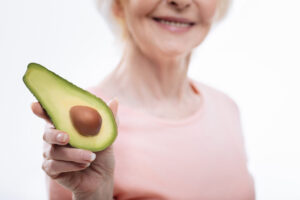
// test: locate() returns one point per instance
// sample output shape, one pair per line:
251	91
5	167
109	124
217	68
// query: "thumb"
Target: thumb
114	104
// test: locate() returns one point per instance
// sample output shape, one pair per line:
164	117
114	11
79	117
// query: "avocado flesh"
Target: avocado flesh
57	96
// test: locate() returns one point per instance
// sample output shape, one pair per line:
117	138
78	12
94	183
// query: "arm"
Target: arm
104	192
56	191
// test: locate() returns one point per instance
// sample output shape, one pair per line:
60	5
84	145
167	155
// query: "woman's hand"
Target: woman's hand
86	174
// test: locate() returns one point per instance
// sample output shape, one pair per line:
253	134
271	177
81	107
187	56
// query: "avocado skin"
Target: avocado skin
44	84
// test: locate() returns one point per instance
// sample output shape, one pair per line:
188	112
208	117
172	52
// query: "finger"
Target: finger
62	153
118	121
54	136
114	104
48	125
54	168
38	110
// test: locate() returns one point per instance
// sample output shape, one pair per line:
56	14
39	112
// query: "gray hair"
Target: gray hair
105	7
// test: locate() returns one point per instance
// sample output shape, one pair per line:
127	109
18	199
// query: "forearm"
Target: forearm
105	192
56	191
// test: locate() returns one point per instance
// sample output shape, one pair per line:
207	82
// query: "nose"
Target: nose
179	4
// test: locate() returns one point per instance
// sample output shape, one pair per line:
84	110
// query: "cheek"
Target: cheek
207	9
136	15
140	8
136	12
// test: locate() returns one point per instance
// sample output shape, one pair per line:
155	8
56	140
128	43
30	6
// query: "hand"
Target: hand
83	172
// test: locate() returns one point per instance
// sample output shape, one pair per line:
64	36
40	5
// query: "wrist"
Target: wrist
87	196
104	192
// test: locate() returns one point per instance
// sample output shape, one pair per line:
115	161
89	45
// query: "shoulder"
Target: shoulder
215	95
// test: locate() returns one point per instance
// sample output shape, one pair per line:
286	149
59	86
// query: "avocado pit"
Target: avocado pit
86	120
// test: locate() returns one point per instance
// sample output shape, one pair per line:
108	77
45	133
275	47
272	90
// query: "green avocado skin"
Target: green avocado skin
57	95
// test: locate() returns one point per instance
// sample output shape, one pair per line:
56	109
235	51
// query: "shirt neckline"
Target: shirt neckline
199	91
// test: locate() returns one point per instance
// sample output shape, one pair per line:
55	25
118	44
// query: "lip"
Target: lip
174	19
174	28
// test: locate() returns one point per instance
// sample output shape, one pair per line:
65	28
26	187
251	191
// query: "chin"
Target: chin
174	51
167	49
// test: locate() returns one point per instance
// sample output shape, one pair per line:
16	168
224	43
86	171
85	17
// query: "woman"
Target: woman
178	138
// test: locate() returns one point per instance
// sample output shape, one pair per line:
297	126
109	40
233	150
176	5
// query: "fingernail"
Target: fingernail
116	99
92	157
113	99
61	137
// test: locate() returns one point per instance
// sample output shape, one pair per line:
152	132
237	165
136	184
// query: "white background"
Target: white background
253	56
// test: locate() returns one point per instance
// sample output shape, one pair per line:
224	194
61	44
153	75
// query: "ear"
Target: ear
117	8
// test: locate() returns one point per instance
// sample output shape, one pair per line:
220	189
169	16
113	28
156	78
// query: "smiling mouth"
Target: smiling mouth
174	22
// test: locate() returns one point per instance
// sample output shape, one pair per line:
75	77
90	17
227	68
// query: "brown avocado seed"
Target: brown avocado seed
86	120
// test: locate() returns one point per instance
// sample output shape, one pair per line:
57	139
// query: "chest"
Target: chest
204	161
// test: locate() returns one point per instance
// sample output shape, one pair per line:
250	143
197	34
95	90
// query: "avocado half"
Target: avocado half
57	96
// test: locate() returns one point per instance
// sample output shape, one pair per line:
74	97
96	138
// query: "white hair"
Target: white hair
222	9
105	7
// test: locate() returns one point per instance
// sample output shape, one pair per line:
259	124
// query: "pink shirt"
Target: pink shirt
201	157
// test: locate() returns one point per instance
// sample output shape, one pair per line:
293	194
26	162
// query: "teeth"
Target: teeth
172	23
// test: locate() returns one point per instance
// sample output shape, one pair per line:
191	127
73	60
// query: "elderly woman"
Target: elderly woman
179	139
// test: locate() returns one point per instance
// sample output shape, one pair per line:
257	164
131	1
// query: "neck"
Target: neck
151	80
